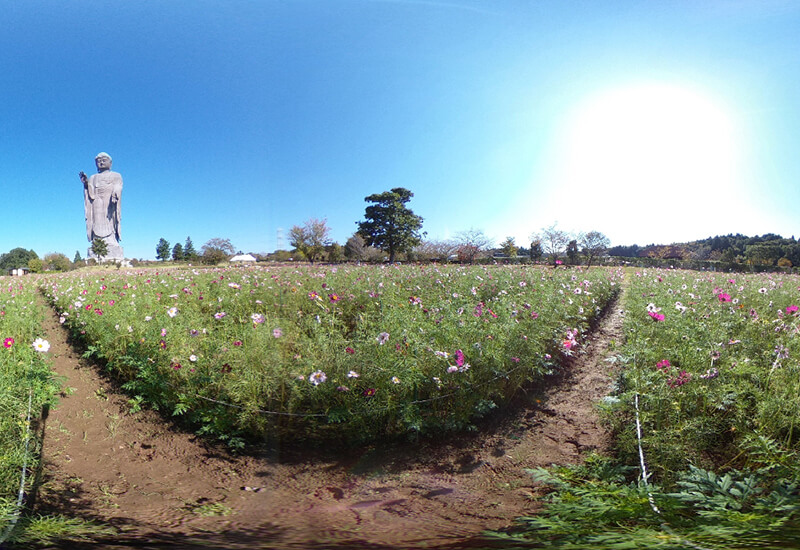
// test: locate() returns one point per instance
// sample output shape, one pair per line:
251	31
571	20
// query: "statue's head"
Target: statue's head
103	162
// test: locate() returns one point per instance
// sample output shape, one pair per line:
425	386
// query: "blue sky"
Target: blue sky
652	122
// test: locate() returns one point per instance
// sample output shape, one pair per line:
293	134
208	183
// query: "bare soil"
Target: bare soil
163	487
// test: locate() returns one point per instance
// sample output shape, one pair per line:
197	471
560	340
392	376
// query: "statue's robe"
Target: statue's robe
101	200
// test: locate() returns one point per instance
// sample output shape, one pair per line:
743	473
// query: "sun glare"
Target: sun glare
643	147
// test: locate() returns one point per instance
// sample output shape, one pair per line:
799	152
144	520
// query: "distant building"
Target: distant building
17	271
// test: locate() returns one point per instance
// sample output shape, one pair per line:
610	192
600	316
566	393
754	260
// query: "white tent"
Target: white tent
246	258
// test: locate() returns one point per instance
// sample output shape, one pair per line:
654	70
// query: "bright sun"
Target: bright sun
644	146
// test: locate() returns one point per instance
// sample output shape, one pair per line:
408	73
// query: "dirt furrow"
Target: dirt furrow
163	487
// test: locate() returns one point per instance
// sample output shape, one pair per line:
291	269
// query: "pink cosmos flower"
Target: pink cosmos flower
8	342
791	309
656	316
682	378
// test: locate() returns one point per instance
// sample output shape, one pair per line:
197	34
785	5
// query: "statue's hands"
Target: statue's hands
83	177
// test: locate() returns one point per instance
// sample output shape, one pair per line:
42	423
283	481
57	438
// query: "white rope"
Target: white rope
642	464
645	476
23	476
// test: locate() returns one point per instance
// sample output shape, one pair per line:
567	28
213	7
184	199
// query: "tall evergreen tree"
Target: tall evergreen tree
189	253
162	250
99	248
177	252
389	224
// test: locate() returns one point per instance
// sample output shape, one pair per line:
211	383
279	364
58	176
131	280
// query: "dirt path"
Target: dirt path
164	488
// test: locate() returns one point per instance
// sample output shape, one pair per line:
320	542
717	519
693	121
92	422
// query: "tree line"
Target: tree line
391	230
768	250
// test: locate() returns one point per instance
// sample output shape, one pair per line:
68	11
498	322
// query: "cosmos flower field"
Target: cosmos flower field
704	414
715	357
348	352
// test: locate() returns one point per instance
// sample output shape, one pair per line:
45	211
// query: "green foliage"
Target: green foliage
311	239
389	225
162	249
535	250
594	507
35	265
77	259
217	250
17	257
46	531
572	251
99	248
189	253
508	247
177	252
335	253
56	262
214	256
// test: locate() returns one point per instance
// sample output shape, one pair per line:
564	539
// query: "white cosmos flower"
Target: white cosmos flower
317	377
41	345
